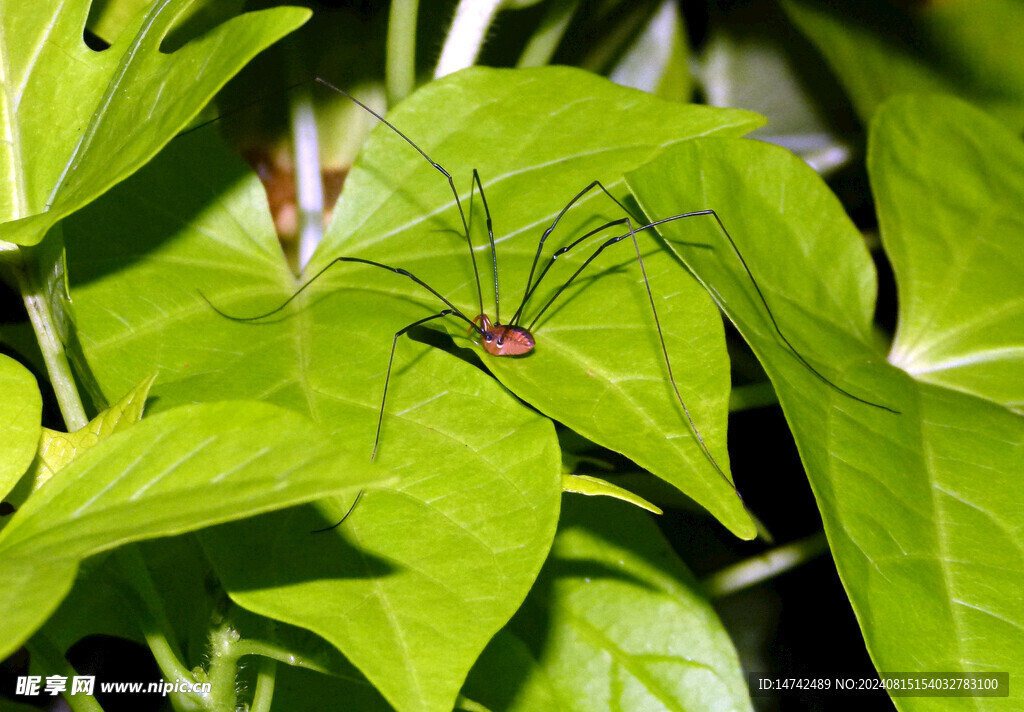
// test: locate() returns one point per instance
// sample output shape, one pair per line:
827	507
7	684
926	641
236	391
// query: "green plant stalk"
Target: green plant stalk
156	628
224	654
46	655
467	705
542	45
400	65
278	653
266	675
768	565
272	651
309	190
56	359
629	25
466	37
757	395
144	599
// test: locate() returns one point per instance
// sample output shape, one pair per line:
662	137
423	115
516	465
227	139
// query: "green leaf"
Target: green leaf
57	449
21	408
409	590
598	365
79	121
952	224
953	47
921	507
615	622
188	468
594	486
109	18
472	517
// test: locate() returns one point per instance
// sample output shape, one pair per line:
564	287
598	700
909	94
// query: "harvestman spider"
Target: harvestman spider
513	339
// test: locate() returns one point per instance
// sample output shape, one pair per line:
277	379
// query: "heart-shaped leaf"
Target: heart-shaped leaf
598	365
922	505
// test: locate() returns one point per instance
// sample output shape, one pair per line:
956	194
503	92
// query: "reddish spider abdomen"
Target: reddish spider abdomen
504	340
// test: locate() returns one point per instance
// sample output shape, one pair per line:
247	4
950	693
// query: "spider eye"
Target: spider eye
500	342
488	337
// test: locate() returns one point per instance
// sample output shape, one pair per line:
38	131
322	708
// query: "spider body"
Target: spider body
503	339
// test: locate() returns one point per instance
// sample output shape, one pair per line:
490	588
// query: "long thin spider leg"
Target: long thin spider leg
572	245
436	165
530	287
661	337
551	261
540	246
359	496
586	263
391	360
746	268
490	237
771	316
668	366
358	260
275	94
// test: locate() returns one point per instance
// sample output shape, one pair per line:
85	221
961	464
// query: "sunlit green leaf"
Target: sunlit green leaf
598	365
57	449
952	224
921	506
614	623
594	486
179	471
78	121
21	406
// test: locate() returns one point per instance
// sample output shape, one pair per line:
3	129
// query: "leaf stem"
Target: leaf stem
156	628
266	675
49	659
542	45
44	324
309	189
757	395
467	705
400	65
223	671
466	35
760	568
273	651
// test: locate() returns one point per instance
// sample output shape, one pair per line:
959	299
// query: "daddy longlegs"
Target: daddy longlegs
514	339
